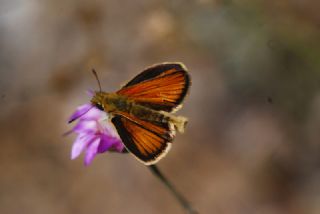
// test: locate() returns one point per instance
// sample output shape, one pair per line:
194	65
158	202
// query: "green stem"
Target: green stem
183	201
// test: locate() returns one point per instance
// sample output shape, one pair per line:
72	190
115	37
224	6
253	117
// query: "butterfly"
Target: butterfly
142	110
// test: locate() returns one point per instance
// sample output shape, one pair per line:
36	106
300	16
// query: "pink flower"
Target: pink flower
95	133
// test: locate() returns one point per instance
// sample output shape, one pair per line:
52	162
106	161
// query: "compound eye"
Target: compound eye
99	106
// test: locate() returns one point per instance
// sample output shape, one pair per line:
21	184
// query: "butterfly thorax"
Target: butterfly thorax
109	102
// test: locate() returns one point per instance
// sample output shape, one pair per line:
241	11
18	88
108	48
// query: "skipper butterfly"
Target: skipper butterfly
141	111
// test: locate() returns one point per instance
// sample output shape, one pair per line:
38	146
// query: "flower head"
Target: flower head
95	133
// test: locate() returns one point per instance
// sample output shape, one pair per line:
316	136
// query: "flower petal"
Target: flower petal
91	152
94	114
118	147
110	142
105	144
81	110
86	126
79	144
109	129
95	133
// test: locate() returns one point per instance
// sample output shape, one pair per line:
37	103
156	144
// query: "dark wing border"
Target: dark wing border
130	144
154	72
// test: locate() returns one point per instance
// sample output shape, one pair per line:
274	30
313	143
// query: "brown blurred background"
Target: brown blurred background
252	142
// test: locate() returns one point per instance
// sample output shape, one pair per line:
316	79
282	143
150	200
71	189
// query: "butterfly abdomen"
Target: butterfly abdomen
147	114
160	117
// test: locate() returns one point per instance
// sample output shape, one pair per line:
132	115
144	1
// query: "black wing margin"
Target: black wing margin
160	87
145	145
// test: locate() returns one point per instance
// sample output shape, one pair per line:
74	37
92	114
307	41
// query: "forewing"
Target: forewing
146	141
160	87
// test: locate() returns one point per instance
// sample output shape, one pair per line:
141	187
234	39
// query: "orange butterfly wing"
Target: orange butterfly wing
160	87
147	141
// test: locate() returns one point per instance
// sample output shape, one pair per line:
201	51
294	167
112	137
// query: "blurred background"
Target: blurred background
252	144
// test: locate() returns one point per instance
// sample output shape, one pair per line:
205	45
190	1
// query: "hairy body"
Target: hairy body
118	104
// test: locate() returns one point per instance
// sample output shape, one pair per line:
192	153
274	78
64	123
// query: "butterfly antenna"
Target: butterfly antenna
97	78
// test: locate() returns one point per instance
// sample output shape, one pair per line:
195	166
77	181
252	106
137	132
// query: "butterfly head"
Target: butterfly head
98	100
